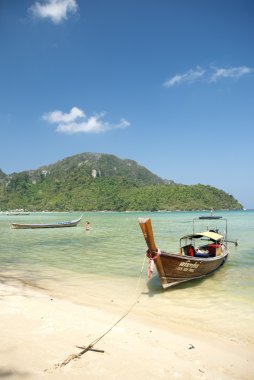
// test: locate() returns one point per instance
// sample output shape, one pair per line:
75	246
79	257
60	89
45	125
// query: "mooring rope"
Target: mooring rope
90	346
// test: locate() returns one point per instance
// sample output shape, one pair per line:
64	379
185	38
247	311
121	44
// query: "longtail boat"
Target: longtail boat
72	223
200	254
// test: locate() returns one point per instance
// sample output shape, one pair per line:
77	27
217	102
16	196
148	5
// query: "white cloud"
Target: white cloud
76	121
60	117
232	72
190	76
212	74
56	10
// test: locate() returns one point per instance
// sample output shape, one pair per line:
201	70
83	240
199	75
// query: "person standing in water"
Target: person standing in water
87	226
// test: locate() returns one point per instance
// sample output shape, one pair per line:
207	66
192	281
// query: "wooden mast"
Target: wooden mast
146	227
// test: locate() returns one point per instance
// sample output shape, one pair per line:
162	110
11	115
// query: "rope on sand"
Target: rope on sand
91	345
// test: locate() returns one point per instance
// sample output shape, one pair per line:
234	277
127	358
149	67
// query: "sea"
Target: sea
106	267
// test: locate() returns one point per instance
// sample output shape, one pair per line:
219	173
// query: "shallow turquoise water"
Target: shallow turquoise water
104	264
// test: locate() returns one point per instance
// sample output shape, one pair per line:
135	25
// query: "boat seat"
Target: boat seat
189	250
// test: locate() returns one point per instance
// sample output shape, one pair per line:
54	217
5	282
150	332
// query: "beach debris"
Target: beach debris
191	346
91	349
76	356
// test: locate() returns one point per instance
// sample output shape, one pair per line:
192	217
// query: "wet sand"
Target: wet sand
39	331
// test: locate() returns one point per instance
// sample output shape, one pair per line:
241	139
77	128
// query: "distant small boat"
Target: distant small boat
15	213
71	223
200	254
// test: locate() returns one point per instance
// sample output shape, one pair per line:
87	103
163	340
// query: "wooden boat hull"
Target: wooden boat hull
72	223
174	268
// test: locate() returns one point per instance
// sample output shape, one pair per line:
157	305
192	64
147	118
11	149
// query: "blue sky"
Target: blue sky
169	84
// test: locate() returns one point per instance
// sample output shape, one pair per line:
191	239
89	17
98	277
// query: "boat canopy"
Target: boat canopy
207	234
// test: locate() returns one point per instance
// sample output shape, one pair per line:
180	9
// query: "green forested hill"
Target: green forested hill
2	175
91	181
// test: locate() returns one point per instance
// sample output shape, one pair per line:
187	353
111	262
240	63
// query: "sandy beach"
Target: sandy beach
39	332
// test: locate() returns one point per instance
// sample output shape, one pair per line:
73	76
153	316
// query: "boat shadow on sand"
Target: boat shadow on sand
154	286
